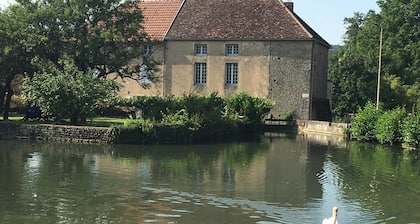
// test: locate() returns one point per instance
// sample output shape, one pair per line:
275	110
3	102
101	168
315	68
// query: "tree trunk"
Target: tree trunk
74	118
9	94
2	95
83	118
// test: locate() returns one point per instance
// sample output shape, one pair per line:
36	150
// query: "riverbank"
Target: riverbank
108	135
60	133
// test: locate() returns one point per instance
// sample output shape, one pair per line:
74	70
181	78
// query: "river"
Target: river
281	178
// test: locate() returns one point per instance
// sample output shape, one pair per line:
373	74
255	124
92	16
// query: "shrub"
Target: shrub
389	126
411	130
192	118
208	108
363	126
182	118
68	93
252	109
288	114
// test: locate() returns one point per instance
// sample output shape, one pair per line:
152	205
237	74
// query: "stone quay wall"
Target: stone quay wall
61	133
323	127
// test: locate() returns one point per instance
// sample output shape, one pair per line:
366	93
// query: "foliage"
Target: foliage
252	109
389	126
363	127
68	93
354	66
411	130
209	108
288	114
17	45
152	107
191	118
182	117
97	35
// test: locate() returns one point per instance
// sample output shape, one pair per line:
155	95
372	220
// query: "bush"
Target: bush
389	126
252	109
288	115
192	118
363	127
67	93
411	130
208	108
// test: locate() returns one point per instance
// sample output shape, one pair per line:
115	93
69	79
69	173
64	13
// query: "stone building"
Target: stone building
260	47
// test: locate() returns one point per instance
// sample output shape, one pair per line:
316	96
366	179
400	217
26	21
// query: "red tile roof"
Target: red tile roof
223	19
158	16
237	19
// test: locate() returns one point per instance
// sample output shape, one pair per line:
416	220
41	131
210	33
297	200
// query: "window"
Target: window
201	49
232	49
231	73
200	71
147	49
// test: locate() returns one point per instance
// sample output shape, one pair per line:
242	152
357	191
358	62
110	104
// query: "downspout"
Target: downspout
165	47
164	69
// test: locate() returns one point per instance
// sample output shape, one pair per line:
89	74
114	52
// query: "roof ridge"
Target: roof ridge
238	19
299	21
173	19
311	32
159	16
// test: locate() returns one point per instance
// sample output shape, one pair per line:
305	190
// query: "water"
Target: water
276	180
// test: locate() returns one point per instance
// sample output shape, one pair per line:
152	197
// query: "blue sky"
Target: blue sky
324	16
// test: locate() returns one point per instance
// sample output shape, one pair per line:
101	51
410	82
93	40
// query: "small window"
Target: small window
231	73
147	49
232	49
200	71
201	49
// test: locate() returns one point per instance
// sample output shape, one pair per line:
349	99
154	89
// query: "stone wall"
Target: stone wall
290	77
323	127
62	133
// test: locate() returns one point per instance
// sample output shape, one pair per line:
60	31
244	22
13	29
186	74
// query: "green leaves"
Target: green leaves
363	127
68	93
353	69
387	126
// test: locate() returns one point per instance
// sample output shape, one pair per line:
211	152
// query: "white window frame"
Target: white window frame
147	49
231	73
232	49
200	49
200	73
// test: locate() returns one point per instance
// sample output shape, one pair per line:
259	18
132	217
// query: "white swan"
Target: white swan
333	218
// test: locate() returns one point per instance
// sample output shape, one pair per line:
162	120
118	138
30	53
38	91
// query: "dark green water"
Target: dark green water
275	180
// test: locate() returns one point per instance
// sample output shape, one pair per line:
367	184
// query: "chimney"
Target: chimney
289	5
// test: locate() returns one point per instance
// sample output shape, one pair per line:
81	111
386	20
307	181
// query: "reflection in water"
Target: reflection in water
281	179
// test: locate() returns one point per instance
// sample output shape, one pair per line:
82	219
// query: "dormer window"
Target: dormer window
200	49
232	49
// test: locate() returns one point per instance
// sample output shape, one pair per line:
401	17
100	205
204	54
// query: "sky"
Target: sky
326	17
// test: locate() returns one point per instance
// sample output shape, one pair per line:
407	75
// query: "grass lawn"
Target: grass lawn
105	121
94	122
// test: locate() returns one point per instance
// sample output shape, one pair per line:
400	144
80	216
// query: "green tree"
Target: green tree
352	80
354	67
104	35
68	93
15	51
99	35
